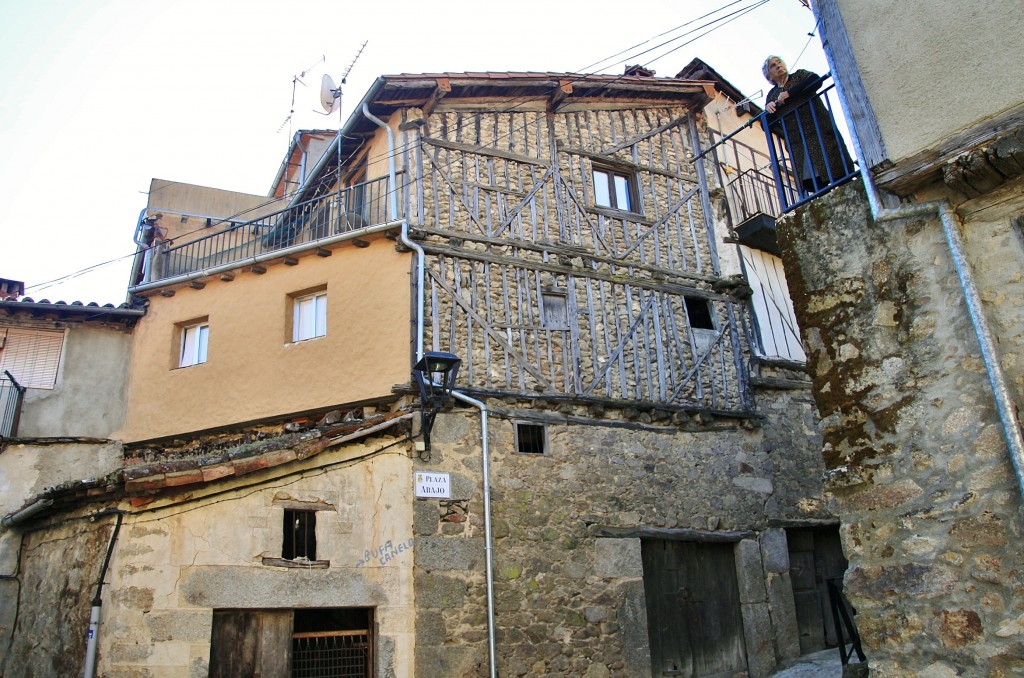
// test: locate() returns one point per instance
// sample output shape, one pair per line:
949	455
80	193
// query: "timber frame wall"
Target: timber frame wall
503	203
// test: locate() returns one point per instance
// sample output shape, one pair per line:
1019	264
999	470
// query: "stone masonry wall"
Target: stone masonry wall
931	512
570	597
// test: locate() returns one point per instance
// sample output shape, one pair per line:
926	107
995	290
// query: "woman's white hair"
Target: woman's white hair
764	68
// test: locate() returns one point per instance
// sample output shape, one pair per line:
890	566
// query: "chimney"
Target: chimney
639	70
11	289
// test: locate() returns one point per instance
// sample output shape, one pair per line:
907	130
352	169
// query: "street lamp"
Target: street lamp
435	373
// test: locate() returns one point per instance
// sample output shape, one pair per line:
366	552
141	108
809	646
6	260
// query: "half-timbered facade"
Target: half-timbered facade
621	497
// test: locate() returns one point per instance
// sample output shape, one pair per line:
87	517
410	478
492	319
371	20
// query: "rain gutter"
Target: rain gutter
266	256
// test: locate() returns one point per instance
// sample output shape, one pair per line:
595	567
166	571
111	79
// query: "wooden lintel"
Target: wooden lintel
291	261
619	163
485	150
227	277
323	252
197	284
360	243
259	269
676	288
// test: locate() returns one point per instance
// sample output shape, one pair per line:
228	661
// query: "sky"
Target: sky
97	97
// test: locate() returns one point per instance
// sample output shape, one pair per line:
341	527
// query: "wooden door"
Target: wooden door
693	609
815	556
251	644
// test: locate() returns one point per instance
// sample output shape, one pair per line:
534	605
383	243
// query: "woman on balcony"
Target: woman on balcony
799	117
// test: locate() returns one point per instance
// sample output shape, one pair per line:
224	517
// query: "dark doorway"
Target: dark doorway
693	609
815	556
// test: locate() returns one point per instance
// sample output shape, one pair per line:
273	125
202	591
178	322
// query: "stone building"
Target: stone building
62	393
626	481
908	286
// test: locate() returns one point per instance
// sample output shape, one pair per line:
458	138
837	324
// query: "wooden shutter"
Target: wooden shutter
32	356
773	309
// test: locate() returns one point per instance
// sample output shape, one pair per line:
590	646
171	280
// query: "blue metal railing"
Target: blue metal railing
343	211
11	393
807	151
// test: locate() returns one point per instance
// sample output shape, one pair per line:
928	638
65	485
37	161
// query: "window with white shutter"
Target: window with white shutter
194	342
773	310
31	356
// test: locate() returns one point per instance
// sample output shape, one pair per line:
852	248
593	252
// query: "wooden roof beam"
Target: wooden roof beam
442	87
559	95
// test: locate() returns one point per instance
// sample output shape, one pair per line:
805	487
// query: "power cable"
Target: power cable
517	103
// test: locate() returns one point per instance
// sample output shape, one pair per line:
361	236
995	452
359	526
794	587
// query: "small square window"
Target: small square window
699	312
531	439
194	341
309	317
299	535
614	189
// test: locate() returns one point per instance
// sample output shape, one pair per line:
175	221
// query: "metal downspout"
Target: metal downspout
488	547
97	602
954	239
484	438
393	208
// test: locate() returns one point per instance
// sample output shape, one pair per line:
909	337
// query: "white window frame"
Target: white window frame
195	342
309	316
615	189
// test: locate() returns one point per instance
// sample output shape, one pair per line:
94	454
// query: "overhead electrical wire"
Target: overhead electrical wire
516	102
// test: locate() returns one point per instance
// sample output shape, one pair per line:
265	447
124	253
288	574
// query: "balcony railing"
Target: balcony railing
808	154
752	192
806	158
344	211
11	393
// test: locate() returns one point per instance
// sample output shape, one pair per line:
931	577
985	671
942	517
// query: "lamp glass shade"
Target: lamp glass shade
436	372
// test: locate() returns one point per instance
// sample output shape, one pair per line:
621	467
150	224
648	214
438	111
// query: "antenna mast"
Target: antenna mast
297	79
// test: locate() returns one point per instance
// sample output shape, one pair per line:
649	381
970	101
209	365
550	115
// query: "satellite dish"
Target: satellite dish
329	94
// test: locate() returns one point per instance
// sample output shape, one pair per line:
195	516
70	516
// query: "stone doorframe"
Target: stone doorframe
762	574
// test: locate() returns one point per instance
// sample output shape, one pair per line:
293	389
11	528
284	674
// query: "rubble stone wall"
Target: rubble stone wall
931	511
568	525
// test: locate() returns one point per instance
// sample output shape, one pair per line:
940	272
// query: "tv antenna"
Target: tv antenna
330	95
297	80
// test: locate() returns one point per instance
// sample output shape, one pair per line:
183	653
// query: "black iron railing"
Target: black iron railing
842	617
11	394
331	654
349	209
808	153
753	192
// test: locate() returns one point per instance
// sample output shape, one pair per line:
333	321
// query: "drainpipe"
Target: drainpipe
26	513
488	543
952	228
393	209
97	602
484	439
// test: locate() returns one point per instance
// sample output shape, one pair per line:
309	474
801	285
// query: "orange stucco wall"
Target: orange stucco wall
253	370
